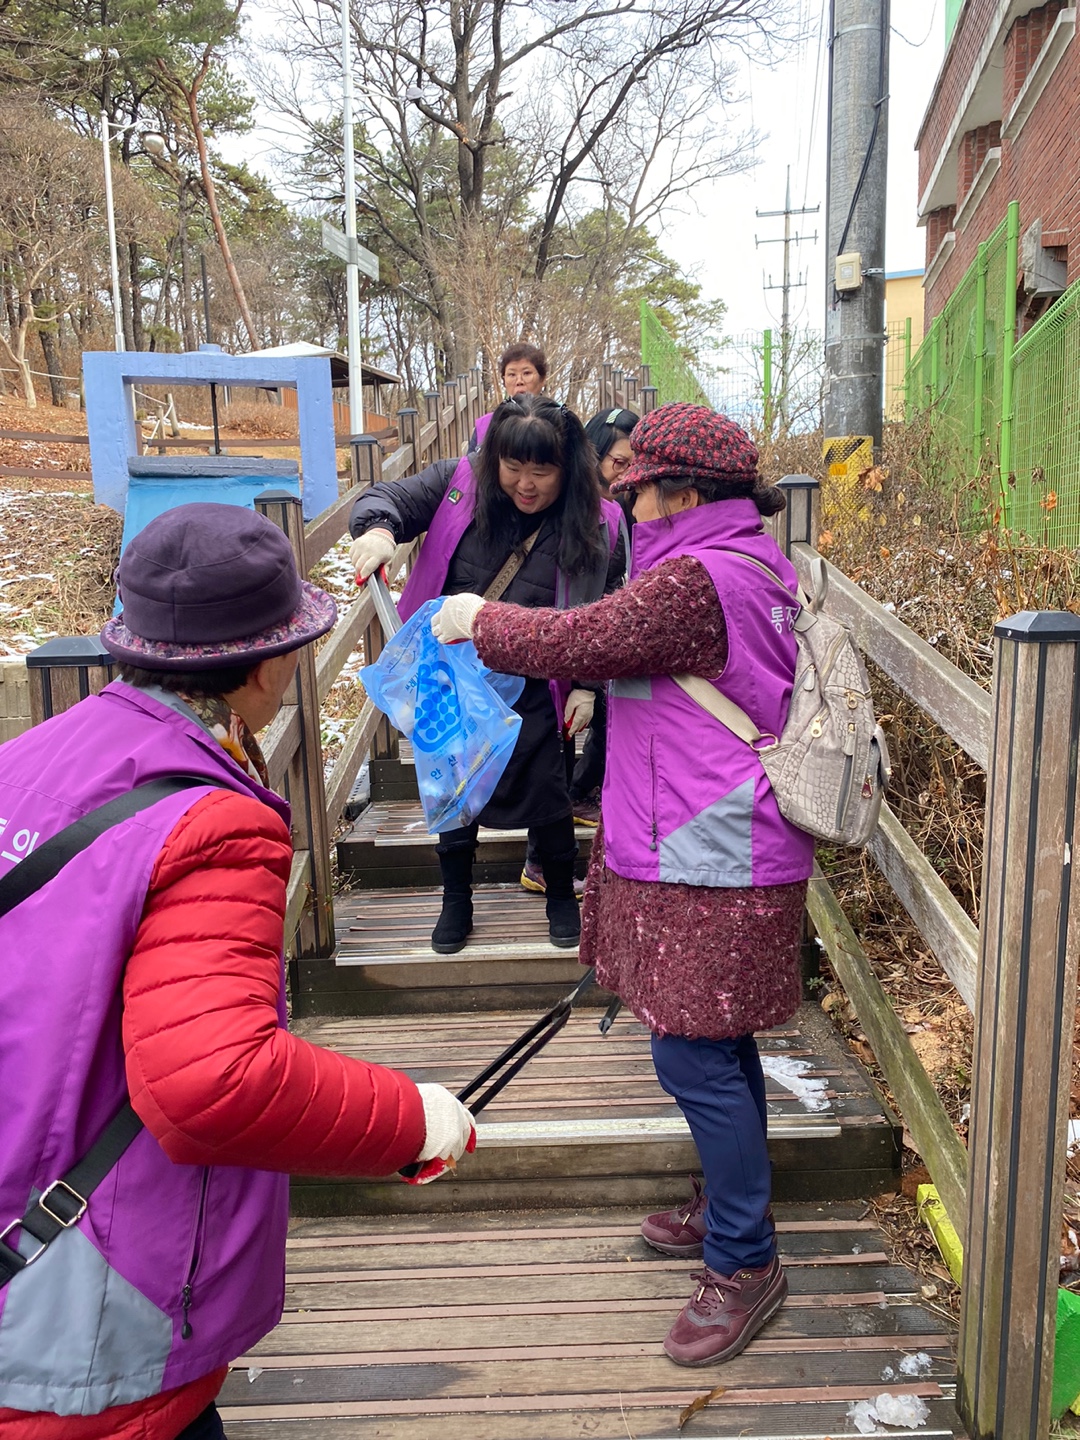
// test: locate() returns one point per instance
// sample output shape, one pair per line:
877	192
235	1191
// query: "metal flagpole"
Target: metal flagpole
114	262
352	274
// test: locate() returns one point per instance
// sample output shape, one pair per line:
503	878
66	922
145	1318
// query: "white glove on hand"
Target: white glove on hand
455	619
578	713
450	1126
373	549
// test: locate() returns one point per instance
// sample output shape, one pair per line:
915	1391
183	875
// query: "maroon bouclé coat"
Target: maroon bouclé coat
688	960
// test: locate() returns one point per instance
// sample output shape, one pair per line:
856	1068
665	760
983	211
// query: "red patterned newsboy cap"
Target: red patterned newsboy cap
688	442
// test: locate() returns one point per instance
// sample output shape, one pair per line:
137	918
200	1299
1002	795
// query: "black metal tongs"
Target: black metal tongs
515	1057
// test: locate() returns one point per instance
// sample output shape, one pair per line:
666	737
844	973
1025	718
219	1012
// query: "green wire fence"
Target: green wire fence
1001	407
668	370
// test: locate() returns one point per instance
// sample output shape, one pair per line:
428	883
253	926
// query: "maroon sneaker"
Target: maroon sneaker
679	1232
587	812
725	1313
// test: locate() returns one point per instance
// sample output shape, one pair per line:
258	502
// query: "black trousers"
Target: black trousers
556	841
206	1426
589	771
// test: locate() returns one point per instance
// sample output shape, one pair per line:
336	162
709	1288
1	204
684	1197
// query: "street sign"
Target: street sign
337	243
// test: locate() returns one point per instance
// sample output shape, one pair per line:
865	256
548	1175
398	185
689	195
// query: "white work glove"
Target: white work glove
455	619
578	713
373	549
450	1134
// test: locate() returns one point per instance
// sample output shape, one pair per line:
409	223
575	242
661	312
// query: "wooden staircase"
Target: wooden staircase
517	1298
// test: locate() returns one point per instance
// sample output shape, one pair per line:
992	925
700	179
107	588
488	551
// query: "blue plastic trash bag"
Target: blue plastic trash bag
455	711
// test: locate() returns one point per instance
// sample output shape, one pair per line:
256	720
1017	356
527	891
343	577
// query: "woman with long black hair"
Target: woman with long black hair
523	520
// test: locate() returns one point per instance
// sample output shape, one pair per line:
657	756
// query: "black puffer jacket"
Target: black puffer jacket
407	507
533	788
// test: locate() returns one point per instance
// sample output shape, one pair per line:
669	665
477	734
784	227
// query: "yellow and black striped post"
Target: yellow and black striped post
1023	1032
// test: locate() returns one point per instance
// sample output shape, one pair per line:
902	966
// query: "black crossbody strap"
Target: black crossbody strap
49	859
64	1202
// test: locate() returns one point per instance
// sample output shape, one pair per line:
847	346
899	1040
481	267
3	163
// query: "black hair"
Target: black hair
205	683
524	351
539	431
768	499
607	427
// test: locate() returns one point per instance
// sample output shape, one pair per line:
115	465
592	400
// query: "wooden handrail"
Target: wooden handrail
938	916
924	1114
950	697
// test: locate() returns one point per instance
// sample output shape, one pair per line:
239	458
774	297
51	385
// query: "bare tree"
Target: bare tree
484	117
51	230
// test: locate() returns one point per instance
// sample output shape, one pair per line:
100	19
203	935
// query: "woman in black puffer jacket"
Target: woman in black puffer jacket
530	491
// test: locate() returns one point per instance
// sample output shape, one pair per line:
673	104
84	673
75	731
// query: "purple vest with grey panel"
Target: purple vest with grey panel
99	1319
710	819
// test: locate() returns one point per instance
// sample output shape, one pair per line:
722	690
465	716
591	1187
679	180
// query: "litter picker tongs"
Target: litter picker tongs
385	608
516	1056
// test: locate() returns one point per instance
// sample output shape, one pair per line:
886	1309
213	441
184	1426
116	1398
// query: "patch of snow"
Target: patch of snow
254	1371
791	1074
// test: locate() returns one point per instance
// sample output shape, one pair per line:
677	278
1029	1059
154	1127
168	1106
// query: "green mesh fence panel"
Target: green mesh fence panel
1043	492
944	373
1046	427
668	370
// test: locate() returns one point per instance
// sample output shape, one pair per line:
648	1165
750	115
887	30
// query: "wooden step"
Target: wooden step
586	1122
385	964
389	844
548	1326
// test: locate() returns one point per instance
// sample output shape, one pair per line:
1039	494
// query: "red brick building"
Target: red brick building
1004	124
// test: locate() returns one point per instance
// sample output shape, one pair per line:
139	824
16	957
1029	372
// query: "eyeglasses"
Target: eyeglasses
618	462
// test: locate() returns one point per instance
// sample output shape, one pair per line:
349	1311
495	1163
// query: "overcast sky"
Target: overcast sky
789	103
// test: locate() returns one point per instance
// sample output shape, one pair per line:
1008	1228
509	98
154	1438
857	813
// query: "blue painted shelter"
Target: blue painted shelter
110	380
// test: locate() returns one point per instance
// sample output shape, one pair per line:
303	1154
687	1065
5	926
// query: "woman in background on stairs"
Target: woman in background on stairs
609	434
693	903
529	496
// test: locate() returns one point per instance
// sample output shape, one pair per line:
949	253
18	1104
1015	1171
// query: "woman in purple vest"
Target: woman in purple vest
530	491
694	898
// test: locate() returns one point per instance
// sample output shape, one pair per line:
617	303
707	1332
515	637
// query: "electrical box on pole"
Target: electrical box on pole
855	264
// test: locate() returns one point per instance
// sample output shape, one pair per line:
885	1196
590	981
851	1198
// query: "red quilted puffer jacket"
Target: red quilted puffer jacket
212	1075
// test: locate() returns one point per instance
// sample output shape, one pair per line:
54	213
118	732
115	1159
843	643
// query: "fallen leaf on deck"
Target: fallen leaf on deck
696	1406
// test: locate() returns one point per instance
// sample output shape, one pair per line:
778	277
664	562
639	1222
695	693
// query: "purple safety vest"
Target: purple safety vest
98	1320
684	799
453	518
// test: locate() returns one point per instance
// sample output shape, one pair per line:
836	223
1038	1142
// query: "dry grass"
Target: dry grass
57	557
936	556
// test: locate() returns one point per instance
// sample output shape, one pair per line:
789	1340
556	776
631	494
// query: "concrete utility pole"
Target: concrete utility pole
788	285
352	273
855	287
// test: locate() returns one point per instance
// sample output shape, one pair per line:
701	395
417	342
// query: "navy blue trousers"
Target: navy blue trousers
720	1088
206	1426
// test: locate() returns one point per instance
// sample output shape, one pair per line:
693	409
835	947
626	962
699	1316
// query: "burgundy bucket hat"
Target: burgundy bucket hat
206	586
679	441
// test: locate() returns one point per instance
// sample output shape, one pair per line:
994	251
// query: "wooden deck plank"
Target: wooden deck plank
394	823
750	1422
432	1384
431	1324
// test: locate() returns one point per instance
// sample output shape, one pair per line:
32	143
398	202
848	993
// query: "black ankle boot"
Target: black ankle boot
563	910
455	921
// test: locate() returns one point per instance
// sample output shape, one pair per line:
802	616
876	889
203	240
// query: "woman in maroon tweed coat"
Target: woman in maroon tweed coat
694	898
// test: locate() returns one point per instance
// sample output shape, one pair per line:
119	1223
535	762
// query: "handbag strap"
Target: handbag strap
720	707
706	694
502	580
46	862
64	1202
